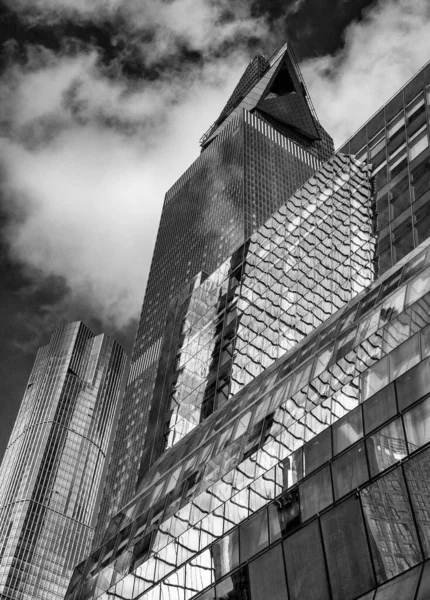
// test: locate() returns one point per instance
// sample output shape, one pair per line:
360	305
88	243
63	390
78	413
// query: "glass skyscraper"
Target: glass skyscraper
265	144
287	451
54	460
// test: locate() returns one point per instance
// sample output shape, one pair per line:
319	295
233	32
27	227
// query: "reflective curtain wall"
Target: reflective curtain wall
250	164
54	460
320	460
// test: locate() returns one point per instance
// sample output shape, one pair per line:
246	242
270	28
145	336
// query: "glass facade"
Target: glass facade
54	461
266	143
309	465
396	143
287	441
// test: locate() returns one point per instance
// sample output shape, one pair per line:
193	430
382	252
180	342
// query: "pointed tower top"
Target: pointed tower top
274	87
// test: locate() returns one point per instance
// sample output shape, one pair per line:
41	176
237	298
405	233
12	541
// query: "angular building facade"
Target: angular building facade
265	144
54	460
288	452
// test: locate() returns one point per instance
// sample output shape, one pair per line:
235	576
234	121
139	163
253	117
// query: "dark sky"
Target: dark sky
34	300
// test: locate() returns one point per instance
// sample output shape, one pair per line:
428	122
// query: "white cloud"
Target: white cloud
381	53
84	201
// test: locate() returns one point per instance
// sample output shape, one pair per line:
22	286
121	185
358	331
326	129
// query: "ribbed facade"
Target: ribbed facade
54	461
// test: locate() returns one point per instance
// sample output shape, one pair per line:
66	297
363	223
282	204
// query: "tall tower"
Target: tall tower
54	461
293	386
266	142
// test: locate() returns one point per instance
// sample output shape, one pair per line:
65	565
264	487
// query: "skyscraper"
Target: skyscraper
266	142
54	461
307	477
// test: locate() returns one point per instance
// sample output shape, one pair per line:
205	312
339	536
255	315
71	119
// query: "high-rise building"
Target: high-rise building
290	455
266	142
54	460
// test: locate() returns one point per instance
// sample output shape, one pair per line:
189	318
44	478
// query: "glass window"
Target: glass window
388	516
413	385
402	587
274	522
417	425
225	554
379	408
425	341
349	471
403	240
405	356
418	147
396	127
267	576
304	559
208	595
317	451
347	551
418	287
287	513
386	447
293	468
417	472
347	430
424	589
234	587
316	493
254	535
375	378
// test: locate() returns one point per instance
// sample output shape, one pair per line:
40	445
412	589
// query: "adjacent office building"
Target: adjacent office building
288	445
54	460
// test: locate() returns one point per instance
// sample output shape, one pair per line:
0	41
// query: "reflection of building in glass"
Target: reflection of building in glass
54	461
291	441
265	144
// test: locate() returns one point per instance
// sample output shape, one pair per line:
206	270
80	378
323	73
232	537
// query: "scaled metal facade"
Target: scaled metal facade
54	460
253	159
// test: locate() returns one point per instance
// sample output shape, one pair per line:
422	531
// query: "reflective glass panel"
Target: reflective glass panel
349	470
347	551
234	587
405	356
403	587
304	559
379	408
390	524
413	385
417	425
254	535
317	451
347	430
386	447
424	587
375	378
417	473
267	576
225	554
316	493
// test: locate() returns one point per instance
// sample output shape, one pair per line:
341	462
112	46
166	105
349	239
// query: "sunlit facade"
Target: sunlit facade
290	449
54	460
265	144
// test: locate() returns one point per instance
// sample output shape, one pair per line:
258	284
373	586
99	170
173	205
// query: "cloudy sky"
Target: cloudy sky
102	104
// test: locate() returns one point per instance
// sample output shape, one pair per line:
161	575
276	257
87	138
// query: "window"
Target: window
417	425
267	576
386	447
375	378
403	587
389	520
347	551
254	535
347	431
417	471
418	147
396	127
405	356
413	385
304	559
379	408
377	144
416	108
349	470
316	493
225	554
317	451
